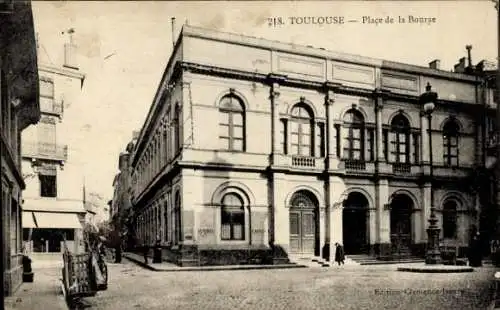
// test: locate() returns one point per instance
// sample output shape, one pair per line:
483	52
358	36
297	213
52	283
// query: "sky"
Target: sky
123	48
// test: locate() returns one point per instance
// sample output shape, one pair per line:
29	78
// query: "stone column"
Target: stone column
372	227
332	161
281	221
383	219
337	190
275	122
321	229
379	133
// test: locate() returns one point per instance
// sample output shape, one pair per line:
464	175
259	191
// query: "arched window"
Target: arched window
400	139
450	143
177	219
177	130
450	219
354	137
232	218
301	130
232	123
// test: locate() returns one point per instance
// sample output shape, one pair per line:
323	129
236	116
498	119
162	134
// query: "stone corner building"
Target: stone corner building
19	109
255	151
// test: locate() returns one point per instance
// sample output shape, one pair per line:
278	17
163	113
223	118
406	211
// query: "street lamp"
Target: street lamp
433	255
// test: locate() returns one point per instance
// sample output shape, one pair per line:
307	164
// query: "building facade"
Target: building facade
19	109
282	150
121	205
54	208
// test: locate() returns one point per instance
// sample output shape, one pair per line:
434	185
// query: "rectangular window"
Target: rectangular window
337	139
48	185
232	224
385	144
283	136
416	148
450	153
320	140
370	143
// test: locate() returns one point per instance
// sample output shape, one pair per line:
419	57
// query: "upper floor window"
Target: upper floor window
48	185
450	219
177	129
301	130
232	123
232	218
354	141
450	143
400	139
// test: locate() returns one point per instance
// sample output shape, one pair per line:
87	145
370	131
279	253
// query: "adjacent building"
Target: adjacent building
121	205
19	109
256	151
54	208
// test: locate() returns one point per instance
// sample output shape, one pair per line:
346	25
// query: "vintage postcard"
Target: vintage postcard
250	154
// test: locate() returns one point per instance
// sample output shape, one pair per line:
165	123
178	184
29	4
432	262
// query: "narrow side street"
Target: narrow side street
352	287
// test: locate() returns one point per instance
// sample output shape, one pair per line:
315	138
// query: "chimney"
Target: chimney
135	134
173	32
460	66
70	52
435	64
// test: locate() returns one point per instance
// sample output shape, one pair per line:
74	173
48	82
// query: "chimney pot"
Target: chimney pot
435	64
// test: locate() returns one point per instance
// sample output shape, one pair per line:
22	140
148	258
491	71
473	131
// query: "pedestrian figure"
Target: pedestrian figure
118	254
475	257
145	250
339	254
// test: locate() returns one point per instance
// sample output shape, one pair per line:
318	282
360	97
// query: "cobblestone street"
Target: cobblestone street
350	287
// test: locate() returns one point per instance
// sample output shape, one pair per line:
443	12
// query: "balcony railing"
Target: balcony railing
354	165
49	151
303	161
401	168
50	106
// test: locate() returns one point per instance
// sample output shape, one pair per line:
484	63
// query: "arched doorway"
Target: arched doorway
303	226
354	222
401	211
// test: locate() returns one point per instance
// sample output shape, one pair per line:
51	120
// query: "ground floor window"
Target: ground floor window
232	218
48	240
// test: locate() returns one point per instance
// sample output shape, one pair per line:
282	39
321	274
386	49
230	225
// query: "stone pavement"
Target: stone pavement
166	266
44	293
357	287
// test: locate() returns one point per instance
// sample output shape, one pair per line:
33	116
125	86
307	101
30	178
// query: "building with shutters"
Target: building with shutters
257	151
54	206
19	109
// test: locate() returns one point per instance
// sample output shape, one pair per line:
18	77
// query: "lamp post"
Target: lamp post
433	255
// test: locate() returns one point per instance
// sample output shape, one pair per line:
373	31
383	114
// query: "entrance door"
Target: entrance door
303	227
354	223
401	210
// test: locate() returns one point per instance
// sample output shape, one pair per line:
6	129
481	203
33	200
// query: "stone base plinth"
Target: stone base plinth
423	268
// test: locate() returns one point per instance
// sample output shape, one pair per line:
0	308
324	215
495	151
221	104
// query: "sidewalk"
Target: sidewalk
165	266
44	293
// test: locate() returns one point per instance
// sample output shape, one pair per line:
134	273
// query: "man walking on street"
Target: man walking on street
339	254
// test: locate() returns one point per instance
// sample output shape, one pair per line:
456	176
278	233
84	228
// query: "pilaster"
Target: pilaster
383	219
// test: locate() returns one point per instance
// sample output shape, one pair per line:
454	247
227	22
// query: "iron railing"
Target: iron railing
303	161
